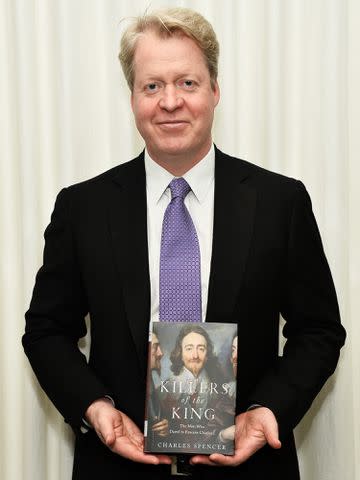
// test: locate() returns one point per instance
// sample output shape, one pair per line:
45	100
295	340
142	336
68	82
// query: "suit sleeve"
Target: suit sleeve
313	330
56	320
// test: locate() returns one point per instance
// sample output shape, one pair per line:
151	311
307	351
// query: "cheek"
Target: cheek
142	111
200	109
204	106
204	117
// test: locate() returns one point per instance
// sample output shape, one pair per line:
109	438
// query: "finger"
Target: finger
141	457
202	460
164	459
128	450
159	426
224	460
271	433
228	460
242	453
158	429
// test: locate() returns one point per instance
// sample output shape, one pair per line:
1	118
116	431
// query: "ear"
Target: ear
132	101
216	90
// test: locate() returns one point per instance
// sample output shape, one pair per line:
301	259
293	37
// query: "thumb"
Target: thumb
107	434
271	432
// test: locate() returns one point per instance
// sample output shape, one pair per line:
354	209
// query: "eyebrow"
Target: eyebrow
156	77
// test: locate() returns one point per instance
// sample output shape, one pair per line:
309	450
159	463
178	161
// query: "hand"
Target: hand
119	433
161	428
227	434
253	430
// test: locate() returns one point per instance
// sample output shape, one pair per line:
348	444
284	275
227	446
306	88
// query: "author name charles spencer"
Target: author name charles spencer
195	446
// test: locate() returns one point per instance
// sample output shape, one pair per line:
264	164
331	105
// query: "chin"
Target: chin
195	371
176	144
174	149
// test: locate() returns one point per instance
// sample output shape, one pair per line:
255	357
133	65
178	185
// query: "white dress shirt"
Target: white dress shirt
200	204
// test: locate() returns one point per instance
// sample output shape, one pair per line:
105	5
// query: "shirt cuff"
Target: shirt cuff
253	406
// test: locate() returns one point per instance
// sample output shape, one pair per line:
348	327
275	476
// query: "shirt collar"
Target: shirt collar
199	177
189	376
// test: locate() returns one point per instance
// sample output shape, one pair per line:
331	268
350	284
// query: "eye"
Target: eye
187	84
152	87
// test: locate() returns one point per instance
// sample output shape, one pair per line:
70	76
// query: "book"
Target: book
191	388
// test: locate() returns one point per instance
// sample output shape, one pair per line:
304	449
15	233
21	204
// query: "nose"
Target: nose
195	353
171	98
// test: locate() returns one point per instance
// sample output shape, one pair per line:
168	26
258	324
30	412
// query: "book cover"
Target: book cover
191	388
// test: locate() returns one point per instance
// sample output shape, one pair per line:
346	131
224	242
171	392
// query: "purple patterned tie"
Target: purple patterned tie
180	285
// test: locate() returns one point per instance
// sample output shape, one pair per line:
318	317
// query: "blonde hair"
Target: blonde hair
167	22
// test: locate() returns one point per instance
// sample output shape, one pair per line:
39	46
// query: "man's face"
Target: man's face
173	100
234	350
194	352
156	353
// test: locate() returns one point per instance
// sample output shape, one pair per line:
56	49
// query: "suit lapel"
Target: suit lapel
128	225
234	211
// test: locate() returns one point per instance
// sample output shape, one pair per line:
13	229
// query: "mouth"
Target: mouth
172	124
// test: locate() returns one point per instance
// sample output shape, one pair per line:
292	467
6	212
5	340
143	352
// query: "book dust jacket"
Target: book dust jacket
191	388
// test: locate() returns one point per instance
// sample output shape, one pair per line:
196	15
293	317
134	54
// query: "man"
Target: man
194	367
158	425
102	257
193	355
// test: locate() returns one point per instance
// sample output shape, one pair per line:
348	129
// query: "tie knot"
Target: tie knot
179	188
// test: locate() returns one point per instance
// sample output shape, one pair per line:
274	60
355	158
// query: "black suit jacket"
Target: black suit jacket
267	259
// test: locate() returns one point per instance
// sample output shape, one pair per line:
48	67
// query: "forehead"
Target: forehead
159	55
194	338
154	338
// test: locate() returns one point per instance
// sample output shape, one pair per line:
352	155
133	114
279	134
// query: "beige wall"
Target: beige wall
290	81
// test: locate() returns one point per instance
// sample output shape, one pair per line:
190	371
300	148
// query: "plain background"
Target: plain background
289	79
